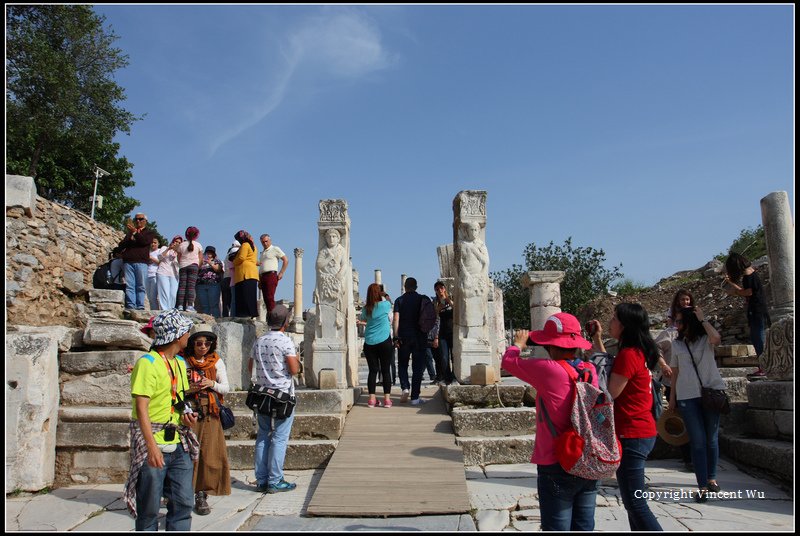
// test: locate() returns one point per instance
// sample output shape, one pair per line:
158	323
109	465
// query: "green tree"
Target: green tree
63	107
752	243
585	278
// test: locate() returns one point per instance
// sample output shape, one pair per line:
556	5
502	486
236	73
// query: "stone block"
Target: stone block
73	282
490	450
300	454
735	350
736	388
317	426
772	455
31	408
762	423
327	379
94	414
482	374
784	422
743	361
771	395
117	333
97	390
494	422
21	192
105	435
102	295
484	396
107	361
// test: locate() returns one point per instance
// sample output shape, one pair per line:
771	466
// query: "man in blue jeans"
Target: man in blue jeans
410	341
136	256
163	446
276	362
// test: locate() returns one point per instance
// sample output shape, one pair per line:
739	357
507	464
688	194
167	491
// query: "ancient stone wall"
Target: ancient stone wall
50	258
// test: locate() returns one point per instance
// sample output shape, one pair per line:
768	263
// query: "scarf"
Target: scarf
209	367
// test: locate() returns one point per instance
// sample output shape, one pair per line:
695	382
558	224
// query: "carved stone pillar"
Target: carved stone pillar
471	339
777	359
545	288
776	215
403	278
297	325
335	332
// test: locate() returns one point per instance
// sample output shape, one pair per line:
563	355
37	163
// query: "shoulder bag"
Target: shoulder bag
712	399
269	401
226	417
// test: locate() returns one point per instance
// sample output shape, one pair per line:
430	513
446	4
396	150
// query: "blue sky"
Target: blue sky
651	132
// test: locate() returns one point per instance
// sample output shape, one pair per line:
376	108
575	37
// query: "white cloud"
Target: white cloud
343	45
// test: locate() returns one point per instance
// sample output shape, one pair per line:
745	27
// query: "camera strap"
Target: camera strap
174	380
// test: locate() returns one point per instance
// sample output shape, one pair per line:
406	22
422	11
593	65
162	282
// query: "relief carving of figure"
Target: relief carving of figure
331	269
474	275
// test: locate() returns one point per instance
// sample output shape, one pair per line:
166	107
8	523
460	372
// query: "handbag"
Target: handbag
226	417
270	401
712	399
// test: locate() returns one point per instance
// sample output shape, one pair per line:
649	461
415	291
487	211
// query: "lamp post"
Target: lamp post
98	172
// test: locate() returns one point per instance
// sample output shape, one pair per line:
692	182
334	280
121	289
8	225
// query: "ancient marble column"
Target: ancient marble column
545	289
297	324
403	278
471	339
378	276
333	296
776	215
447	269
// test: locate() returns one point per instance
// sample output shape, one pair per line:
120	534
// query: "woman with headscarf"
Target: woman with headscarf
245	276
190	257
208	381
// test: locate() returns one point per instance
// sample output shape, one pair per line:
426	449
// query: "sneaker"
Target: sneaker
404	396
371	403
434	382
201	507
416	402
387	403
191	309
262	488
180	308
281	486
713	487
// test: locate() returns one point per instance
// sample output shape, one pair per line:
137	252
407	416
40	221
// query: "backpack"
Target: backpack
427	314
102	279
589	448
603	362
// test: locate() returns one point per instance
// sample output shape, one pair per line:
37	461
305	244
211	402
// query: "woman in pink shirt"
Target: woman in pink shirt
566	501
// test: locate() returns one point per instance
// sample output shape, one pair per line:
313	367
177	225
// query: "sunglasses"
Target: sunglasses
139	219
202	343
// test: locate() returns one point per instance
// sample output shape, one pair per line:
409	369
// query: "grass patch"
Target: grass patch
628	288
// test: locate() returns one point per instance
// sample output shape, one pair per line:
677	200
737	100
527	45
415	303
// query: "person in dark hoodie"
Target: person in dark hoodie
136	256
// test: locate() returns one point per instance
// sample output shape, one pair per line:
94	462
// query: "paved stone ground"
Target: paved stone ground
503	497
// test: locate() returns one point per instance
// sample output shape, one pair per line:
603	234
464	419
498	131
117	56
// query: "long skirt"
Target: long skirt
212	473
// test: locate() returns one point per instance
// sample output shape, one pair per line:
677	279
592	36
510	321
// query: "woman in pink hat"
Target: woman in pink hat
566	501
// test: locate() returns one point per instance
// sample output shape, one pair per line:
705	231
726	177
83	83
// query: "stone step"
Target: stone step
494	450
300	454
770	423
310	400
771	395
736	388
99	427
107	465
487	395
493	422
735	372
773	456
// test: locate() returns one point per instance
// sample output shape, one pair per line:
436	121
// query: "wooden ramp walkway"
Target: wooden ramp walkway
398	461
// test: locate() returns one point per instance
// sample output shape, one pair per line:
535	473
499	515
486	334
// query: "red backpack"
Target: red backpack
589	448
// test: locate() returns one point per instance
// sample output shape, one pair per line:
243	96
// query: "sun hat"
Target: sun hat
277	317
176	237
147	327
671	428
202	329
169	326
562	330
211	249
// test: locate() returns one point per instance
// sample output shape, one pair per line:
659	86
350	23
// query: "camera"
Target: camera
169	433
189	406
591	328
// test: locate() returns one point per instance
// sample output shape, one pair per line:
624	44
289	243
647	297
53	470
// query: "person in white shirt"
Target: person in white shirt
268	273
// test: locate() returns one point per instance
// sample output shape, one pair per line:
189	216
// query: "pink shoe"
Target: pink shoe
371	403
387	403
